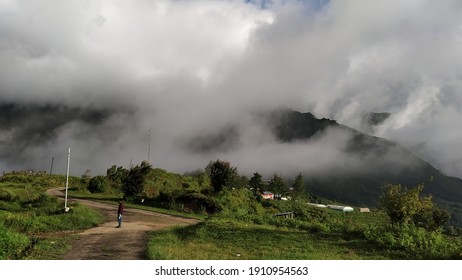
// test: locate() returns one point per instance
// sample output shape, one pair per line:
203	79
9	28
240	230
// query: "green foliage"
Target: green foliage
133	183
256	183
414	242
159	180
240	204
98	184
222	175
42	181
277	185
238	182
199	203
17	229
406	206
237	218
12	243
6	195
26	211
229	239
182	193
47	215
298	186
116	175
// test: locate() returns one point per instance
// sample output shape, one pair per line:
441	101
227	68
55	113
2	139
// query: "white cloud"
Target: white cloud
188	66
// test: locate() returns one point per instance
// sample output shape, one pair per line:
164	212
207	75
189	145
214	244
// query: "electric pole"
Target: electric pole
51	168
149	147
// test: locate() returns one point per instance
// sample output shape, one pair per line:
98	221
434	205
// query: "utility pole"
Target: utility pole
51	168
66	209
149	147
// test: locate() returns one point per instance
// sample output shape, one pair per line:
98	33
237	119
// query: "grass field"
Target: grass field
223	239
32	224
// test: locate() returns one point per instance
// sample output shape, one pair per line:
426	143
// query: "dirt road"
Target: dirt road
106	242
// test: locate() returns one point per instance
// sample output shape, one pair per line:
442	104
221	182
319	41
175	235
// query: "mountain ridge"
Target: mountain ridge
364	189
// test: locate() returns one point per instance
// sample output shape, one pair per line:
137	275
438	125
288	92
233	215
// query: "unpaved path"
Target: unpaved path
106	242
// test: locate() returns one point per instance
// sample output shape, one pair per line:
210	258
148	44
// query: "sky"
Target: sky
108	77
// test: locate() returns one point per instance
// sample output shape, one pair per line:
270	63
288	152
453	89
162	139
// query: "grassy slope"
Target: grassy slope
246	227
32	224
244	230
227	240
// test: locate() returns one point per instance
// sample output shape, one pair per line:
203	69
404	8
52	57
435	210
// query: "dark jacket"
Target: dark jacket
121	209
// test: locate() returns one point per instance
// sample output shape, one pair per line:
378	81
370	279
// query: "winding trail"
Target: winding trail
106	242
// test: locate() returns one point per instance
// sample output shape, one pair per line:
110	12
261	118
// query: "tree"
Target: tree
406	206
133	183
277	185
256	183
239	182
298	186
116	175
222	175
98	184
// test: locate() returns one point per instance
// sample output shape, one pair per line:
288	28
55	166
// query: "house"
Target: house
267	195
364	210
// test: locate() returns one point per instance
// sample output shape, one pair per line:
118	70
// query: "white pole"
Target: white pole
67	179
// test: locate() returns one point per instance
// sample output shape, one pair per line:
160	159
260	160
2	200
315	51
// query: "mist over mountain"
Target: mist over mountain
23	126
382	162
194	81
337	162
372	120
348	165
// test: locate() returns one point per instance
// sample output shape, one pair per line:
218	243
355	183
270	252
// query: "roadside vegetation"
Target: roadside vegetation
236	221
30	219
240	224
314	233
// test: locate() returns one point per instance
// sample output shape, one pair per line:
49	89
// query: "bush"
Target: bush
199	203
11	244
6	195
414	242
239	203
407	206
98	184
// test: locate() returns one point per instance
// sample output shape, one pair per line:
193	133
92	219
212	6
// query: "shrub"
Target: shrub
407	206
414	242
6	195
239	203
98	184
198	203
11	243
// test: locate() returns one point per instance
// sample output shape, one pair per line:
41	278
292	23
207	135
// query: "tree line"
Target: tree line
403	206
221	173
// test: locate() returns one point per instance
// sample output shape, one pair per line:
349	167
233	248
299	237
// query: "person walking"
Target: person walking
120	212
